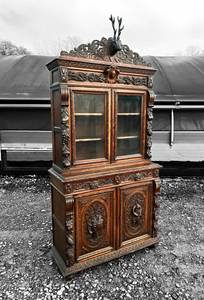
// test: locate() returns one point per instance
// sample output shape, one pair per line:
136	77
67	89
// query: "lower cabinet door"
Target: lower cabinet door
94	224
135	209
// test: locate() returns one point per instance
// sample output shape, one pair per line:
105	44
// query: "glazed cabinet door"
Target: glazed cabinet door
129	124
90	126
94	224
135	208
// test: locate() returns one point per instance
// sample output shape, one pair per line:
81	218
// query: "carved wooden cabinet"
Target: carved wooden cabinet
104	186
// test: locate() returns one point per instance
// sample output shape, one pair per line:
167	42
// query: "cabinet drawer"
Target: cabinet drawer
135	205
95	224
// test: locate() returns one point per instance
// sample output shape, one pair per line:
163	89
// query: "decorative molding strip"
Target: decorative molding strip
109	256
98	183
93	184
93	77
132	80
81	76
137	176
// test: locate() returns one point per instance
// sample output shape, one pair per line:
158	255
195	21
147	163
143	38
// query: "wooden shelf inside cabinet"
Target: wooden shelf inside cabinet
127	137
89	114
89	140
128	114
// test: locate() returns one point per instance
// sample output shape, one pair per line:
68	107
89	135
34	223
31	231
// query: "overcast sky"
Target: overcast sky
152	27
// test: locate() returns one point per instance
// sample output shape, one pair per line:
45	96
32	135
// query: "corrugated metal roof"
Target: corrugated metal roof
24	77
178	78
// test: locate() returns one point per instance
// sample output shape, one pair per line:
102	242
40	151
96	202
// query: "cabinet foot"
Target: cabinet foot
70	277
153	246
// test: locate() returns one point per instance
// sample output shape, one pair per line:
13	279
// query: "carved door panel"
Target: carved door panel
94	224
135	213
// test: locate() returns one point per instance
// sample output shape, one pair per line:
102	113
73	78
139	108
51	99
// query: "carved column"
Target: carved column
65	126
149	124
157	183
69	231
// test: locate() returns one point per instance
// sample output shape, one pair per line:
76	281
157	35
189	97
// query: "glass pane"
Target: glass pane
89	126
129	104
128	146
89	150
89	103
128	125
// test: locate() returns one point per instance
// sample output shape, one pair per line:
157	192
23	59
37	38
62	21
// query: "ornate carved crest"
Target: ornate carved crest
98	50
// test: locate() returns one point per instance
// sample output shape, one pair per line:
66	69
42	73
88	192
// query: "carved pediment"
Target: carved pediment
98	50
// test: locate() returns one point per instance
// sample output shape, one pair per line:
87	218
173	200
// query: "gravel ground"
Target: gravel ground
175	270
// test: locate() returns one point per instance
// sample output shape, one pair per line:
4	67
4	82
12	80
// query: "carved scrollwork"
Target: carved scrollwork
136	176
132	80
94	184
112	77
98	50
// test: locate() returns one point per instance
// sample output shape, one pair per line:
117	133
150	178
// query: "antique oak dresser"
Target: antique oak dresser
104	186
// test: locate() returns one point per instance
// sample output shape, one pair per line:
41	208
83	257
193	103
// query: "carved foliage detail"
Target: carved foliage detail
92	184
112	77
132	80
65	126
135	213
136	176
150	82
149	132
95	224
63	75
69	232
81	76
157	183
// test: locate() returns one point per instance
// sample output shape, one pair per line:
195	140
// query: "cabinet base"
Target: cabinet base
69	272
